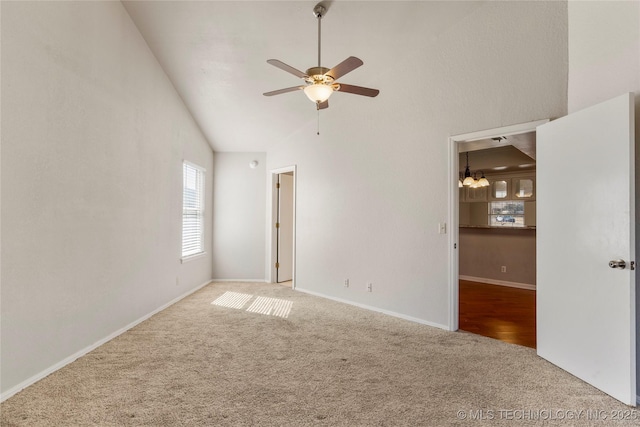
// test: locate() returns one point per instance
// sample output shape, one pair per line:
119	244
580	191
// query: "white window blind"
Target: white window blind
192	210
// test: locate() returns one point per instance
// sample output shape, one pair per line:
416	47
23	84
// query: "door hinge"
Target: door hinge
277	265
455	246
633	265
278	185
277	225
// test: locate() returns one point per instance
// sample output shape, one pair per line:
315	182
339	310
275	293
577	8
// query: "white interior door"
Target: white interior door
285	229
585	218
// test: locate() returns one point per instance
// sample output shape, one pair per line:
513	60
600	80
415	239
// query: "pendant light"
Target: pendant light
483	181
468	179
471	181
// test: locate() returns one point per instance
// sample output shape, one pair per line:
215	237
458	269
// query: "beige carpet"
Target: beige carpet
298	360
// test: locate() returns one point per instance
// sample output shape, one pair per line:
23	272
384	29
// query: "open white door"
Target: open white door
285	228
585	219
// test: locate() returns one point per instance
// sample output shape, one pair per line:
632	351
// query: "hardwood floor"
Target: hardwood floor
504	313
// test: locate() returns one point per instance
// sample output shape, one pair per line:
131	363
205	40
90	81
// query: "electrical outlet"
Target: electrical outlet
503	269
370	287
346	283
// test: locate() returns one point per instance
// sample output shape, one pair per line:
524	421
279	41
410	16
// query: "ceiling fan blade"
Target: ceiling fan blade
287	68
346	66
358	90
279	91
323	105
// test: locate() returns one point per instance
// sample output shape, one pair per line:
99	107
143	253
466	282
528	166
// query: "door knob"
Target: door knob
618	263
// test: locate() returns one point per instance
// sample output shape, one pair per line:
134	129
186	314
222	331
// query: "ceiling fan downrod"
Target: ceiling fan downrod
319	12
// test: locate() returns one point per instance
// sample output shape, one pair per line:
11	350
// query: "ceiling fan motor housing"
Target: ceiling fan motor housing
317	75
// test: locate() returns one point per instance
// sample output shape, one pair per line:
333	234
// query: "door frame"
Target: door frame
454	259
272	218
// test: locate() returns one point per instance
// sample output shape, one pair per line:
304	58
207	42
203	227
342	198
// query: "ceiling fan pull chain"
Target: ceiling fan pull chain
318	131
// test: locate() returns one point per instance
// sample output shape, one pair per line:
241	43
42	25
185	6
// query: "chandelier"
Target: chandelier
472	181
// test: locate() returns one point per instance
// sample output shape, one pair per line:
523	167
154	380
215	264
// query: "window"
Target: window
507	213
192	210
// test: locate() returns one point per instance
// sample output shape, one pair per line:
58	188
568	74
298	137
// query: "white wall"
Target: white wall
239	199
604	62
93	138
604	51
369	200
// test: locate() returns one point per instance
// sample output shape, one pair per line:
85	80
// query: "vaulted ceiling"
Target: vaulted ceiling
215	54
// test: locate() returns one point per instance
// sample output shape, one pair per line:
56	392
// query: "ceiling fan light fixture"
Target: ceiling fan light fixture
318	92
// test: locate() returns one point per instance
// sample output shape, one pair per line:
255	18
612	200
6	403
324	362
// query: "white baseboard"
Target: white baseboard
376	309
499	282
64	362
241	280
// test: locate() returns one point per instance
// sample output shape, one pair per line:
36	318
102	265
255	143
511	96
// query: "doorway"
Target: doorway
284	228
493	234
283	214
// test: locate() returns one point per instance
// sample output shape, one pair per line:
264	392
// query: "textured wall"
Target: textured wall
93	138
604	51
239	199
483	251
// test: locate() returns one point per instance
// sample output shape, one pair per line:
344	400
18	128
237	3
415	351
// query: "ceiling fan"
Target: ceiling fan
320	82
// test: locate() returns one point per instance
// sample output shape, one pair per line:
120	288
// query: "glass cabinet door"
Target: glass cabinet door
478	194
523	188
499	189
